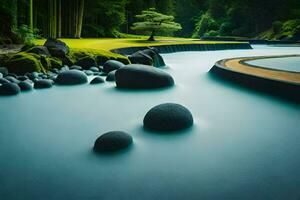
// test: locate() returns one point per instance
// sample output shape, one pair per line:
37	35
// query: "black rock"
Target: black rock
88	72
42	84
3	71
168	117
12	79
40	50
94	69
86	62
111	76
22	78
97	80
158	61
71	77
142	77
76	67
25	86
140	58
112	65
112	141
56	47
9	89
3	81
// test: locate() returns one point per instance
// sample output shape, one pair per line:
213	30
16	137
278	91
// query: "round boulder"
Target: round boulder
42	84
111	76
3	71
168	117
112	141
3	81
97	80
71	77
142	77
88	72
86	62
9	89
94	69
25	86
112	65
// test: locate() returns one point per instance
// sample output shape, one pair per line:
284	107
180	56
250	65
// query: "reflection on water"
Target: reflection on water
244	145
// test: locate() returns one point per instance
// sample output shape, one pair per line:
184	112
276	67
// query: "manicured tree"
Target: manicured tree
151	21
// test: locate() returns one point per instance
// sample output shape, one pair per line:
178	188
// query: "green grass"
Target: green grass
108	44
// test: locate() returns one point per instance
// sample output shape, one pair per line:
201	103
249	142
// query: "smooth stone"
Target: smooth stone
25	86
111	76
12	79
142	77
1	75
88	72
71	77
9	89
3	81
168	117
112	65
3	71
112	141
42	84
94	69
140	58
97	80
76	67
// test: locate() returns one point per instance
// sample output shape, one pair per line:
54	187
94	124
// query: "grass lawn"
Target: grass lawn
108	44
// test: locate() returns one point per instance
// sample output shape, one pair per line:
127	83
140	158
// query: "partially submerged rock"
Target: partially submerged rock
112	141
42	84
168	117
71	77
112	65
7	89
142	77
111	76
97	80
25	86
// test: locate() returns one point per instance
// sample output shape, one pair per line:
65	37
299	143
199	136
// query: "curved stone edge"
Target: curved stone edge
285	89
184	47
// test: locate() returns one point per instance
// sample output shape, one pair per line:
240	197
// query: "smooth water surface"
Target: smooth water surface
244	145
291	64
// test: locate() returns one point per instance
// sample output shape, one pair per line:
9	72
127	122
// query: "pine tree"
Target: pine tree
152	21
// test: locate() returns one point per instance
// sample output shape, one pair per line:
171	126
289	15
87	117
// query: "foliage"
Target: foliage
25	34
150	21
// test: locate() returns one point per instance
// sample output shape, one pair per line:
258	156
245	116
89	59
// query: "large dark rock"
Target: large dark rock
42	84
168	117
158	61
71	77
112	65
112	141
111	76
56	47
97	80
3	71
9	89
3	81
86	62
25	86
140	58
40	50
142	76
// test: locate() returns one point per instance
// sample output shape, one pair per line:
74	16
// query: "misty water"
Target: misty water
244	145
291	64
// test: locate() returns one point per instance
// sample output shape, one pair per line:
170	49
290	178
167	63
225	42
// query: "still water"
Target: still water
291	64
244	145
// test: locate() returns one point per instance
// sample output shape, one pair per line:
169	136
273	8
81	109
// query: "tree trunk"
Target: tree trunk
30	14
59	19
79	18
151	38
